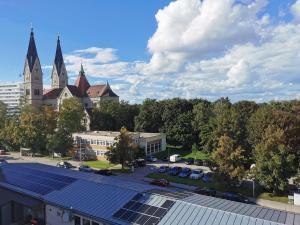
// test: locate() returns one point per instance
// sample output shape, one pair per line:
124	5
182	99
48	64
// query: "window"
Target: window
76	220
27	92
94	223
66	94
36	92
86	222
86	105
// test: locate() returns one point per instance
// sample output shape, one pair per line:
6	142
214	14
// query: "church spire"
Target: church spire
59	73
31	52
58	61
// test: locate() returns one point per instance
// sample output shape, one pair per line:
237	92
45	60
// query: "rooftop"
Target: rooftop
119	201
115	134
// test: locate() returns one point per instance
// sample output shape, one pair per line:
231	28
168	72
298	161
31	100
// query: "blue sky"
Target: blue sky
162	48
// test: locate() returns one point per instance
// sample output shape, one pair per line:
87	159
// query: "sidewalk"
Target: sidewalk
278	205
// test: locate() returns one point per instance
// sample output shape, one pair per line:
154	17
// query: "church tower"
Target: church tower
33	76
59	73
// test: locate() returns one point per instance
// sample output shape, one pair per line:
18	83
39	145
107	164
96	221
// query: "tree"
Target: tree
9	135
112	115
230	158
59	142
123	148
71	116
274	160
149	118
3	114
32	129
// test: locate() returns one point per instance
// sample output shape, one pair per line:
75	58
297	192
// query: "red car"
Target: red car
2	152
160	182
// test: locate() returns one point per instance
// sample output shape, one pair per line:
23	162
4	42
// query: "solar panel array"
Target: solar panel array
175	195
35	181
142	214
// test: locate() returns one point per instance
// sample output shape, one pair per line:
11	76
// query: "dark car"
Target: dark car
104	172
85	168
163	169
174	171
140	162
151	158
189	161
207	177
165	159
206	191
185	172
160	182
198	162
132	163
64	164
234	196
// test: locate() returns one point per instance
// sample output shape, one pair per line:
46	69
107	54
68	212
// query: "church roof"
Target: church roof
100	91
58	61
74	90
82	83
52	93
32	54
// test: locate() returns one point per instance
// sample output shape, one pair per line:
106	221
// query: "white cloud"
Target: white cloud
296	10
209	48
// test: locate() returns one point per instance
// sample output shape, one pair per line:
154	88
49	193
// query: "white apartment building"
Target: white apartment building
11	94
97	143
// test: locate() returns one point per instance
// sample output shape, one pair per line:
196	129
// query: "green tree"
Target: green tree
9	135
229	158
274	160
59	142
123	148
112	115
32	129
71	116
3	114
149	118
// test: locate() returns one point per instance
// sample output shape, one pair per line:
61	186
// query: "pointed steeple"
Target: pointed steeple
31	52
82	83
58	61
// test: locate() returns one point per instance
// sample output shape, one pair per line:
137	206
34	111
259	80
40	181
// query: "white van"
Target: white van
175	158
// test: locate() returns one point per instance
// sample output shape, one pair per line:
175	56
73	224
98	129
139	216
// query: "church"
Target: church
35	94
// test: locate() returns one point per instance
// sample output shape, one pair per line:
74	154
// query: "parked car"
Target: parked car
85	168
165	159
175	158
207	177
206	191
56	155
2	152
64	164
160	182
151	158
185	172
3	161
196	174
189	161
163	169
174	171
198	162
132	163
234	196
140	162
104	172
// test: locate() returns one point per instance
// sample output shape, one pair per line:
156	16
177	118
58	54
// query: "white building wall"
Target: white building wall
54	216
11	94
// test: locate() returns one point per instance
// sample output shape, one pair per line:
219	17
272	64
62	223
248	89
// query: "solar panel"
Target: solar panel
167	204
35	181
142	214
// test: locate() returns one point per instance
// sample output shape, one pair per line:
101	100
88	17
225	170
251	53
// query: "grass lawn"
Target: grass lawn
98	164
217	186
183	152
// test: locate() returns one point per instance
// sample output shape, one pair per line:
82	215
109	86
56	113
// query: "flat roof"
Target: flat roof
116	133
